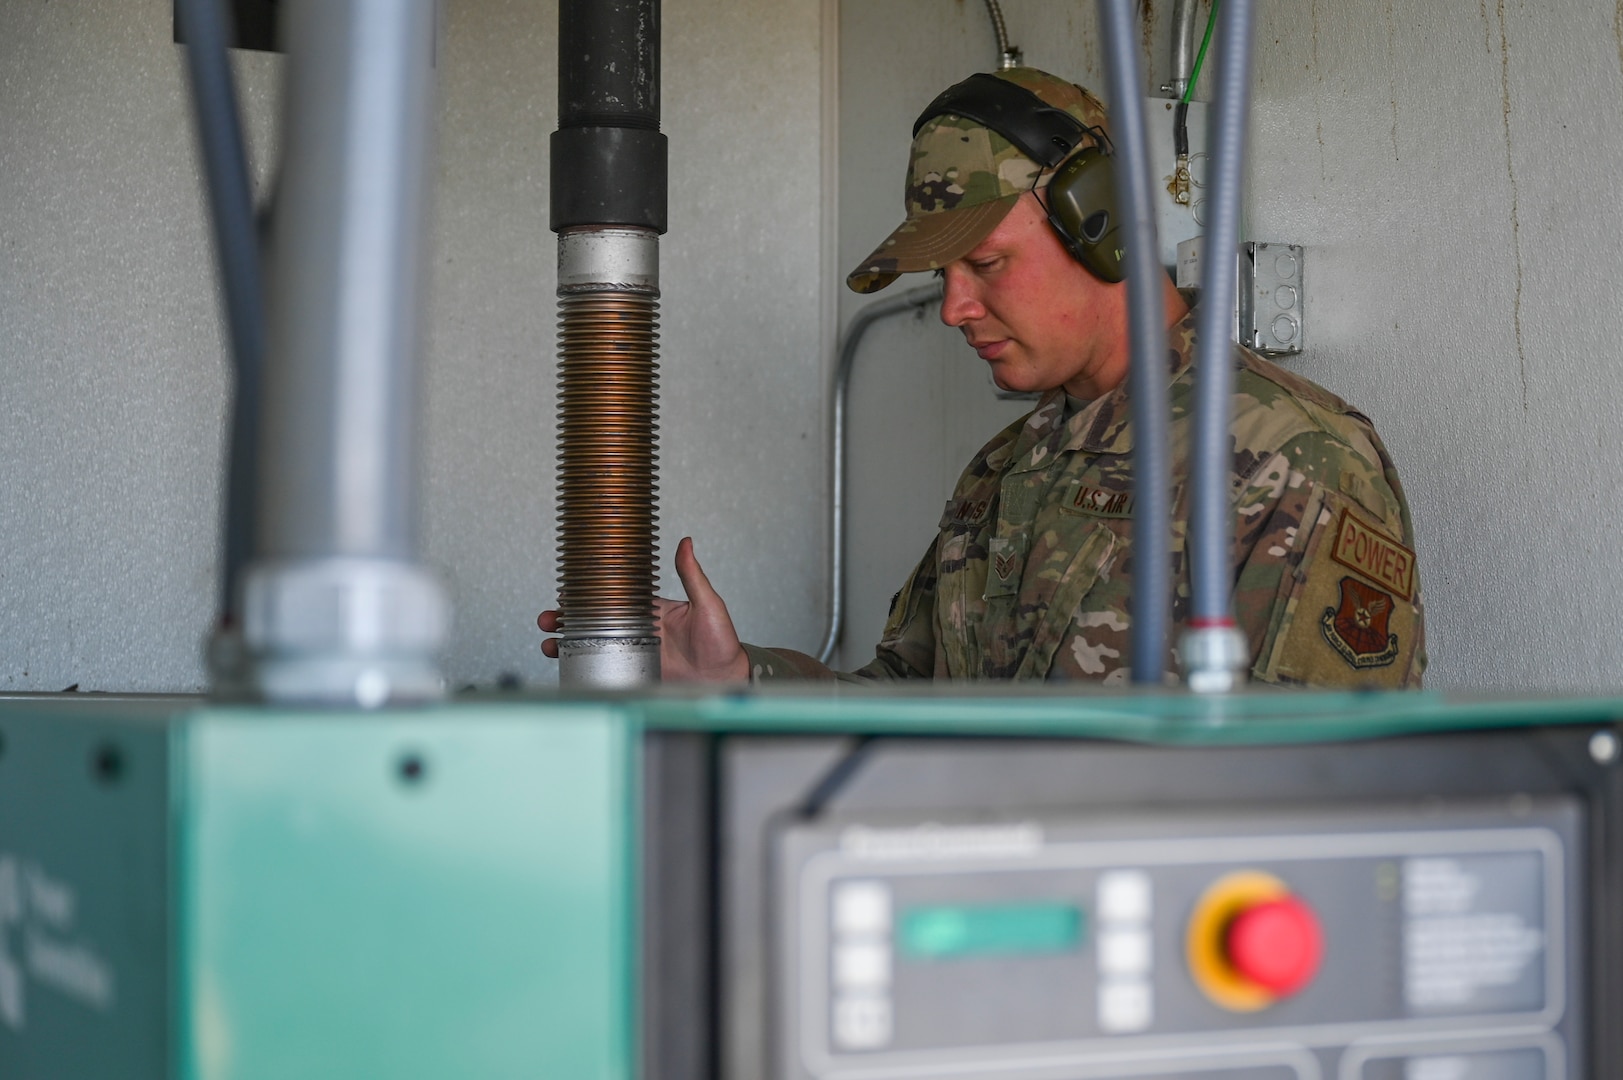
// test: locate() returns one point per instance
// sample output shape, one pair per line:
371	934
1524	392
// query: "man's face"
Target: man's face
1033	313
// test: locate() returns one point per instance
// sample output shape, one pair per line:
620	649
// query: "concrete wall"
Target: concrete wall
112	367
1453	170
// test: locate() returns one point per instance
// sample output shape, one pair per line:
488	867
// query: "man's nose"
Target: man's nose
960	302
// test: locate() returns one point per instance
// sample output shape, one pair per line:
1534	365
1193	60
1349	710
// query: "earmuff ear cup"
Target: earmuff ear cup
1082	209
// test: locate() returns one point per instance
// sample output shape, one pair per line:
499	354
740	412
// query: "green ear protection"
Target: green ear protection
1082	192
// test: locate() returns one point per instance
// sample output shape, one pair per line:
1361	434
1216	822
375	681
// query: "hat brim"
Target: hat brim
929	242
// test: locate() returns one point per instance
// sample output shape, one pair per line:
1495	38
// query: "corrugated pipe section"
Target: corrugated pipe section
608	209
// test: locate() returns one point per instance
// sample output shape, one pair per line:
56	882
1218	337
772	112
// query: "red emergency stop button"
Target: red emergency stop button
1251	942
1276	944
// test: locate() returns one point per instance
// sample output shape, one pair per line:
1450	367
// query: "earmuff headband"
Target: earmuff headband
1040	131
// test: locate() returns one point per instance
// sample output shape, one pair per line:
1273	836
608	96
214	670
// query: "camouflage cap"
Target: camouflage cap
962	179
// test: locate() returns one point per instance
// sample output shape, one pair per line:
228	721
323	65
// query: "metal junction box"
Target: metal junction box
1269	298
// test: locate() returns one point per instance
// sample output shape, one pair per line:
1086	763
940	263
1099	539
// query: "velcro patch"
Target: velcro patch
968	510
1368	551
1360	626
1098	502
1005	563
1341	618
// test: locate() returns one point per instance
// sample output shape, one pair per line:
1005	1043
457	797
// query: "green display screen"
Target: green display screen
948	932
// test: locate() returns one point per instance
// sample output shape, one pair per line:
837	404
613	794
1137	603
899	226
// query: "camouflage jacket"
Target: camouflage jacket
1031	573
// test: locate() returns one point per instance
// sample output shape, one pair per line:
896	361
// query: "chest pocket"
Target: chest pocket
1022	629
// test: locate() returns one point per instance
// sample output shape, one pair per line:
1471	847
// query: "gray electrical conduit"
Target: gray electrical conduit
911	300
1147	380
1211	524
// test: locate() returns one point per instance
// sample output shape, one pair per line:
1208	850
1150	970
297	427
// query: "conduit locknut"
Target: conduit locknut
1214	658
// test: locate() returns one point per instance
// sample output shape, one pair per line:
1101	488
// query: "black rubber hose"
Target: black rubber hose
204	25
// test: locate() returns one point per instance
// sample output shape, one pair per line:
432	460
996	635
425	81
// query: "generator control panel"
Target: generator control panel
1349	942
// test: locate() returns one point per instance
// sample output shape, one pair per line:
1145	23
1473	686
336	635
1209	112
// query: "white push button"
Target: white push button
1124	951
861	908
861	1023
861	967
1124	896
1124	1007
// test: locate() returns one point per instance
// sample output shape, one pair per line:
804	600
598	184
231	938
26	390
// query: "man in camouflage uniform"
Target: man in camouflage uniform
1031	573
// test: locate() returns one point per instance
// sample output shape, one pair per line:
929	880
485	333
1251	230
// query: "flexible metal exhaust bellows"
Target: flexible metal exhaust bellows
608	193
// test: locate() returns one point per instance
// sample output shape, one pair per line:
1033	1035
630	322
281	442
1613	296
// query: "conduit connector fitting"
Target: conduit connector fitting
346	631
1215	657
608	301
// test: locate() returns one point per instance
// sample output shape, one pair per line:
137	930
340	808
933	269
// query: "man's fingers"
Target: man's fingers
698	586
549	647
549	621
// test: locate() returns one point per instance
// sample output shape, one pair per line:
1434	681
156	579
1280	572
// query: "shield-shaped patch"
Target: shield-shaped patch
1357	627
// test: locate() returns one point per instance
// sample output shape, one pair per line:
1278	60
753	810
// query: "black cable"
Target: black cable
205	26
838	775
1180	129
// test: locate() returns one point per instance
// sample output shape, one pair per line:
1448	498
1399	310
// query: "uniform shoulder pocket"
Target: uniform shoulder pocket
1348	613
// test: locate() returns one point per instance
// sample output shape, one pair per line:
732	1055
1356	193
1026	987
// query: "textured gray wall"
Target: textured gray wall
1453	170
111	364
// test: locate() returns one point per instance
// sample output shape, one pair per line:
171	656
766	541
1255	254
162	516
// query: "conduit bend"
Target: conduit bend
911	300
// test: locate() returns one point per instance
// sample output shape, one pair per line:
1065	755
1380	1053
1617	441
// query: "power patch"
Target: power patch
1369	552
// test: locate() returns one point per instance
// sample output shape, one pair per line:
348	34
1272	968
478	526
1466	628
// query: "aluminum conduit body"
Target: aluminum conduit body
608	209
1183	46
1215	652
337	607
1147	379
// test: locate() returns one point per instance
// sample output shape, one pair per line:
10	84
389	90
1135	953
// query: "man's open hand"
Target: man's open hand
697	639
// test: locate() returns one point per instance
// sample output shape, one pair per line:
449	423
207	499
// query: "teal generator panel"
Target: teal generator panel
217	894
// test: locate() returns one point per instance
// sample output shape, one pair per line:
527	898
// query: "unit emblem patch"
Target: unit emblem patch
1358	627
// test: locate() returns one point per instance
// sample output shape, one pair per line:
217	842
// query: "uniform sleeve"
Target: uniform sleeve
906	649
1326	586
